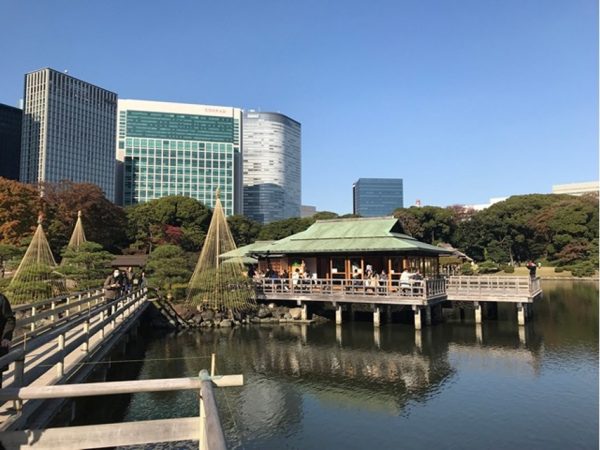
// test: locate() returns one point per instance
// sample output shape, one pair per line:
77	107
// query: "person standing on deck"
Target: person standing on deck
7	326
532	267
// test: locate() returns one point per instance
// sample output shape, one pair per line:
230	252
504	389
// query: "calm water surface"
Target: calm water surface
452	385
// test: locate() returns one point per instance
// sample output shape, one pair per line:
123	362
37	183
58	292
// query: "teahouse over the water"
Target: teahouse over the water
348	248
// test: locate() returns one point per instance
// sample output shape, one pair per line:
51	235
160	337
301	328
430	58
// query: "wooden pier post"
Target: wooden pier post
338	334
304	312
521	313
376	317
377	337
418	318
338	315
478	311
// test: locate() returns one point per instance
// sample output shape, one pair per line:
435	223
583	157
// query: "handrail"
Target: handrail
209	433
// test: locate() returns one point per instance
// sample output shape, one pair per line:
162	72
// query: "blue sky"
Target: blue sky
465	100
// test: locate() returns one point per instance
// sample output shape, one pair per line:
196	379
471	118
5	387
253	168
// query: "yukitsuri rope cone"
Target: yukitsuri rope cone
215	284
35	278
78	236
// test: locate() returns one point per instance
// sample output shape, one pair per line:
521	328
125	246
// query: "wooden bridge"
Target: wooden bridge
56	343
421	295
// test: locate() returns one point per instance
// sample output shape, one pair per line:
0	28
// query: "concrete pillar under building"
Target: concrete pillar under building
304	312
377	336
418	318
478	311
338	315
376	317
338	334
303	332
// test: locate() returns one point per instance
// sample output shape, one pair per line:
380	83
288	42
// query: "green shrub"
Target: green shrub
582	269
509	269
466	269
488	267
559	269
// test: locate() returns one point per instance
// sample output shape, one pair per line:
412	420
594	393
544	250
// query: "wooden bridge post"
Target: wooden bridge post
338	315
304	312
32	327
68	310
79	301
53	307
86	331
19	379
60	366
338	334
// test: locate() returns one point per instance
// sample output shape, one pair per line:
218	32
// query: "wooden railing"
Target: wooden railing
205	428
493	285
44	348
412	289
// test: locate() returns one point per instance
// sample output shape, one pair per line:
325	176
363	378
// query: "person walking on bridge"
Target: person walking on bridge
7	326
113	286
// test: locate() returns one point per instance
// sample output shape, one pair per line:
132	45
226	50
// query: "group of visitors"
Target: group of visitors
120	283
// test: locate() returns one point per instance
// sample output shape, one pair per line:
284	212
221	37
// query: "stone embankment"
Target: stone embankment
201	317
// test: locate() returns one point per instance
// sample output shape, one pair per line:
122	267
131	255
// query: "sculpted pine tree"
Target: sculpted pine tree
217	284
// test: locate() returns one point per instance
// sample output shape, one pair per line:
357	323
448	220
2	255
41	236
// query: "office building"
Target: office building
10	141
68	131
307	211
272	172
180	149
576	188
375	197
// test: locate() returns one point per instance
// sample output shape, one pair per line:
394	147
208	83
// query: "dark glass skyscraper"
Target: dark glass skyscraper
374	197
10	141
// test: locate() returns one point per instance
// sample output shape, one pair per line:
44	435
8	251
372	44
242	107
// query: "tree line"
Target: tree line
559	230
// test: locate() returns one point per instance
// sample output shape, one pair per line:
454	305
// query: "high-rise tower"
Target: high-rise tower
68	131
180	149
272	172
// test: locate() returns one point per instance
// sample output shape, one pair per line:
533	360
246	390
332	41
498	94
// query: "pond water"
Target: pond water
452	385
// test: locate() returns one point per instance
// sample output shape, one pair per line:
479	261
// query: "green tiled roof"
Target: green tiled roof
378	234
246	250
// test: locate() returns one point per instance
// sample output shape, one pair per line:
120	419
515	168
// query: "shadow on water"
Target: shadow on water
349	386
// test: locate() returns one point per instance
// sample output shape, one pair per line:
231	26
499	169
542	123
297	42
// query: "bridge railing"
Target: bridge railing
498	285
28	366
205	428
411	289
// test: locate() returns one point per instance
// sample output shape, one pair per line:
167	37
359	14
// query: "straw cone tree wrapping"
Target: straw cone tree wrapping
216	284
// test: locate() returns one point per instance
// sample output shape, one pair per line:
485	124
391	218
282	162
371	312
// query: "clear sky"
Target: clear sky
464	99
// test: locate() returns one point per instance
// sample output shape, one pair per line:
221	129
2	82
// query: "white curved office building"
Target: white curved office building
272	160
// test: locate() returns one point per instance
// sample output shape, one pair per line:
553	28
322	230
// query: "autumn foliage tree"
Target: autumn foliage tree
19	207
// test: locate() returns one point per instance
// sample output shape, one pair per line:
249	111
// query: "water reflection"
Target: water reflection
348	386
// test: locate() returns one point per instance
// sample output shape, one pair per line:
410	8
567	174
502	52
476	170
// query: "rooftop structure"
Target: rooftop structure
576	188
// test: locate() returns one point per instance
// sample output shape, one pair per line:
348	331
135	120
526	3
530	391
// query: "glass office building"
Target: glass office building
180	149
272	166
10	141
68	131
376	197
